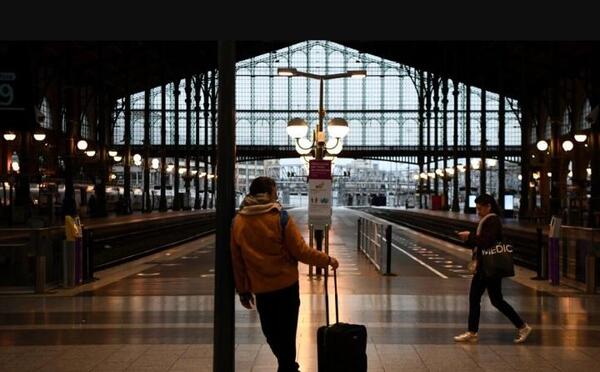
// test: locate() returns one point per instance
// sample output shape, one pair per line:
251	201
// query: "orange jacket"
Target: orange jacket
261	263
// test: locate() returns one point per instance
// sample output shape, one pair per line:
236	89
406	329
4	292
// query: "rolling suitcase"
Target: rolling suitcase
341	347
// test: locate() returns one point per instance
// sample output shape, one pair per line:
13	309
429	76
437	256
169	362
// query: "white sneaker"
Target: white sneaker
522	334
467	337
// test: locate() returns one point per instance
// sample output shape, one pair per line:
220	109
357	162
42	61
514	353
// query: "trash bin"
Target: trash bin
554	251
68	259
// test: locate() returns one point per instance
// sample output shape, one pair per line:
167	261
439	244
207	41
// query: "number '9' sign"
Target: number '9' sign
7	94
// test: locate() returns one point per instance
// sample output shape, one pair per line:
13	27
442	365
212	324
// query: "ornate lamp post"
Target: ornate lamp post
337	127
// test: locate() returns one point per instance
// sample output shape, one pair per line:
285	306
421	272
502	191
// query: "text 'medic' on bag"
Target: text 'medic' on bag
497	261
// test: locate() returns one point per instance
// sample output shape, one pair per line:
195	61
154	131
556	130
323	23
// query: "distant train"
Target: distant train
50	196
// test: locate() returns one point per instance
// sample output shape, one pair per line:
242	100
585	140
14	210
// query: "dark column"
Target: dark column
147	203
224	318
501	145
595	178
102	176
213	121
197	149
445	144
206	107
188	137
70	98
162	205
127	155
555	154
526	124
594	143
468	154
176	201
421	149
428	113
455	207
483	155
436	109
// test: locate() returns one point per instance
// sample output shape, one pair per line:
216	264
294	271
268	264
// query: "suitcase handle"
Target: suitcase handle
337	320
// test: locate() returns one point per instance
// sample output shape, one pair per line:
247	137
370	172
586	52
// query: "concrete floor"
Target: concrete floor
156	314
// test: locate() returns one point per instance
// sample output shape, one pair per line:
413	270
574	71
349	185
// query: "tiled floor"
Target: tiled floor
162	320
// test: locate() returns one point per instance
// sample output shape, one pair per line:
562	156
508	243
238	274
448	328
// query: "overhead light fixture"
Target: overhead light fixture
282	71
549	174
82	145
520	177
536	175
15	166
589	171
358	74
9	136
542	145
182	170
39	136
567	145
117	158
137	158
112	153
580	137
90	153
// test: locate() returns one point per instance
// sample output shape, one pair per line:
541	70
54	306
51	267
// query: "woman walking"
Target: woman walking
489	232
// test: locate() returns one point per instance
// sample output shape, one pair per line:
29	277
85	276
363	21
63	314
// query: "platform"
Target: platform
156	313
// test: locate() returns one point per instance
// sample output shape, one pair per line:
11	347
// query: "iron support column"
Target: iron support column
445	147
421	139
147	201
206	107
468	148
213	120
483	156
176	202
501	150
197	149
188	139
163	150
455	207
436	109
224	316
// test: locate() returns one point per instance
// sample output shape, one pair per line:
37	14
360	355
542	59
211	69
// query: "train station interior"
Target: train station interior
150	148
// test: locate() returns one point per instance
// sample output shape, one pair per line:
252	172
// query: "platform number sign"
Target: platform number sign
7	88
16	104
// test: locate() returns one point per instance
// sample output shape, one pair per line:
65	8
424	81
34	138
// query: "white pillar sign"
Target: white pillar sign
319	193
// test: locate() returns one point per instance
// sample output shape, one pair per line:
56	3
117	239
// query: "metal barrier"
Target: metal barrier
30	257
578	256
375	241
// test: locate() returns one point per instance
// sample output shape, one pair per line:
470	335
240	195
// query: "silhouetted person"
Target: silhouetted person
265	263
92	205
